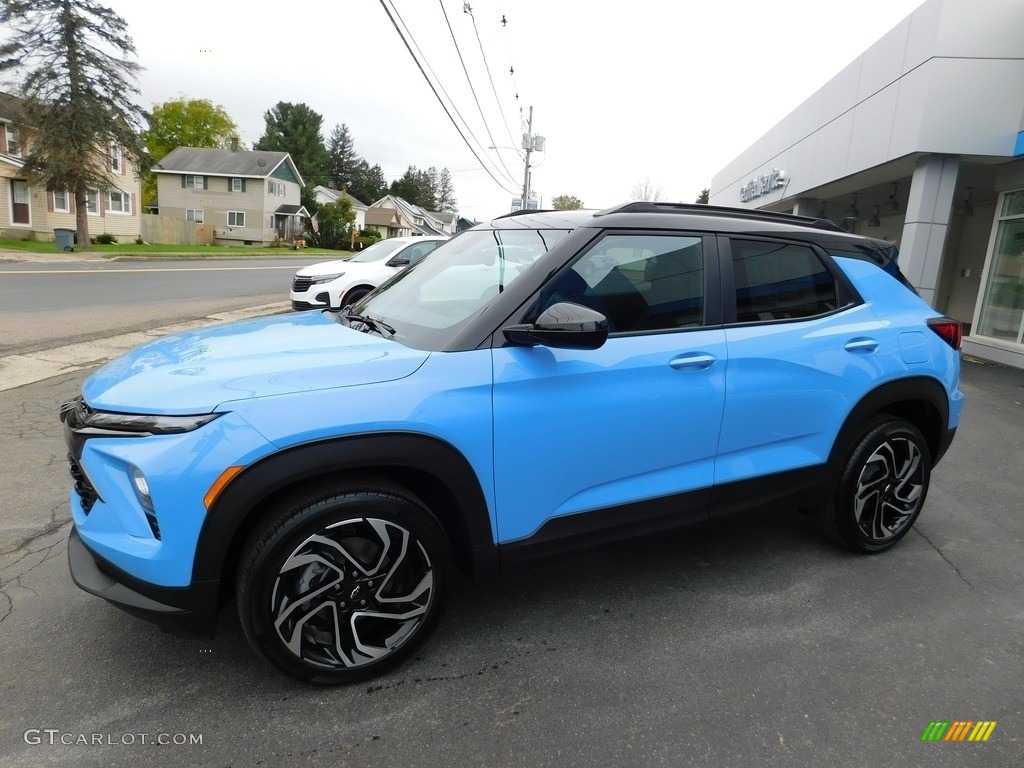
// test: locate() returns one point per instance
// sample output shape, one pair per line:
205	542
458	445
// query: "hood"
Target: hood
195	372
333	267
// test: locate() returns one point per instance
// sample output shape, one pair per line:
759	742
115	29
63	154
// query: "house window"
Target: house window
237	186
119	202
13	146
92	202
115	159
20	213
61	203
194	214
193	182
1001	311
276	188
236	218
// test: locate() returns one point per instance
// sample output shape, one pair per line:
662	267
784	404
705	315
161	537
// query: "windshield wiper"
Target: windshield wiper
379	326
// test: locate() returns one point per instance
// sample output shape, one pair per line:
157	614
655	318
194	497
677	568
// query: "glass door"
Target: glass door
1002	310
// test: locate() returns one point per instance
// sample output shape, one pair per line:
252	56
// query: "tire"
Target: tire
880	487
354	295
344	584
68	248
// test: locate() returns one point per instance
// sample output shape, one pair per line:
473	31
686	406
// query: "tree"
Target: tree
566	203
295	129
368	183
703	197
185	122
646	191
444	192
333	225
342	160
416	187
78	78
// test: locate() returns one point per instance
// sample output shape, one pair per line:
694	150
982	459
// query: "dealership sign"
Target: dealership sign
762	185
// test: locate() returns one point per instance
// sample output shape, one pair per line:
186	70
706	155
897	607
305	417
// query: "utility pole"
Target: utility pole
531	143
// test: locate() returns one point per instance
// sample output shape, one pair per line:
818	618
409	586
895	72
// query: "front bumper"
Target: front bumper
190	610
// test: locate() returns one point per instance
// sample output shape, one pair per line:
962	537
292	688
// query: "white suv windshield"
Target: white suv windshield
429	303
379	251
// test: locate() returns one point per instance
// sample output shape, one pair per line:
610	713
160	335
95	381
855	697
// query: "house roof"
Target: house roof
292	210
430	226
383	216
10	107
334	194
444	216
249	163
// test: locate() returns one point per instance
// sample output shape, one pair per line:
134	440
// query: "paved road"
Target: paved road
749	642
43	304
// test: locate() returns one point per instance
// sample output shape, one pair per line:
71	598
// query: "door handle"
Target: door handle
693	361
862	344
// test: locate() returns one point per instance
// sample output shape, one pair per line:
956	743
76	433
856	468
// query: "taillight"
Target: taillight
951	331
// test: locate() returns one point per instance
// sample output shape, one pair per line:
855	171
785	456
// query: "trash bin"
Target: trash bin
65	239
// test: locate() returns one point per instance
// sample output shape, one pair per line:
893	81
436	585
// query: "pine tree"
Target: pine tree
295	128
444	191
342	158
75	63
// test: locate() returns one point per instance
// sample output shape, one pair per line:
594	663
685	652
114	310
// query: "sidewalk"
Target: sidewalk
19	370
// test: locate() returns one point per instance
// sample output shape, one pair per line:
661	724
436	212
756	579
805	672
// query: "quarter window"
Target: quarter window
236	218
638	282
780	281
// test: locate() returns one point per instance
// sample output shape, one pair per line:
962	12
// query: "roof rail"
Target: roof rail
524	212
723	211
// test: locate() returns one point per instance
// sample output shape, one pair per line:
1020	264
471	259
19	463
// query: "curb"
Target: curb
19	370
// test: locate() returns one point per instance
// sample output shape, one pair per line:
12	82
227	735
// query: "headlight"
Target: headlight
326	278
142	488
82	419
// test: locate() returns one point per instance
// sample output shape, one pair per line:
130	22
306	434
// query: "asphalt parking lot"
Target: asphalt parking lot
750	641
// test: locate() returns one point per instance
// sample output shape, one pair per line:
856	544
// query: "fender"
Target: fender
430	468
919	399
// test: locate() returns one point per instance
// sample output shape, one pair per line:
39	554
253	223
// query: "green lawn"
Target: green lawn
156	249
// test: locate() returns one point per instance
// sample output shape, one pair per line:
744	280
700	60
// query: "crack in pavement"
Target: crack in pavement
942	554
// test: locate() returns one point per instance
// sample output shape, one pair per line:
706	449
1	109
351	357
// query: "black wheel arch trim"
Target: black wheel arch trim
919	399
426	466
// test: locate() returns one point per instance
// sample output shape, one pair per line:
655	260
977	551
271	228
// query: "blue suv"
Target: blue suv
326	470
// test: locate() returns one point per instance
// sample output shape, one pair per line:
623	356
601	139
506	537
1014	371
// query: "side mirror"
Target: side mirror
399	261
564	325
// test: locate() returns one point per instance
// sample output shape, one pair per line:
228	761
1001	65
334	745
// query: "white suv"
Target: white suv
345	281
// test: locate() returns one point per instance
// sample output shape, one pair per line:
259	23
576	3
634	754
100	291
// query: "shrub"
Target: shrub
105	239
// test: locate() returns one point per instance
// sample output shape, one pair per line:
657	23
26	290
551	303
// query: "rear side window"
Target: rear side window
780	281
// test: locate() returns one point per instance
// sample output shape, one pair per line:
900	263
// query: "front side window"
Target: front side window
780	281
194	214
236	218
638	282
119	202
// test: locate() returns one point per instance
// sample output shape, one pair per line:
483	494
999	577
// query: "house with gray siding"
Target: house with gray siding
249	197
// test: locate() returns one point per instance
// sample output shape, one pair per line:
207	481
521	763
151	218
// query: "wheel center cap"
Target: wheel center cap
354	593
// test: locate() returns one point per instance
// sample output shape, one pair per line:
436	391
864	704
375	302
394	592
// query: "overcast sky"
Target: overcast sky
666	90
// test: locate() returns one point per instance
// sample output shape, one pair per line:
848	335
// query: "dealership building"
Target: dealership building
920	141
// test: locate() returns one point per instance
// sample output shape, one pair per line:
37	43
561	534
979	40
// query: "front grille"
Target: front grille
83	487
300	284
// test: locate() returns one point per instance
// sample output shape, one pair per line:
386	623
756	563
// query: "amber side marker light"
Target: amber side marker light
220	484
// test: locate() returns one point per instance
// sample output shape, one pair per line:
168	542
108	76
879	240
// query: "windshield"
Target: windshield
430	302
379	251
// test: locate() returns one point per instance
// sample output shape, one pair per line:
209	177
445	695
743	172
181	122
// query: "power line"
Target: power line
487	66
471	88
439	99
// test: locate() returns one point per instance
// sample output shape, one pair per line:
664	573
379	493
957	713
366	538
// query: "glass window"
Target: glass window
236	185
115	158
20	213
193	182
1002	310
60	201
236	219
638	282
119	202
194	214
780	281
92	202
13	146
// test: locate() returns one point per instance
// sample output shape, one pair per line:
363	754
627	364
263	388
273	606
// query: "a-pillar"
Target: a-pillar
927	222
